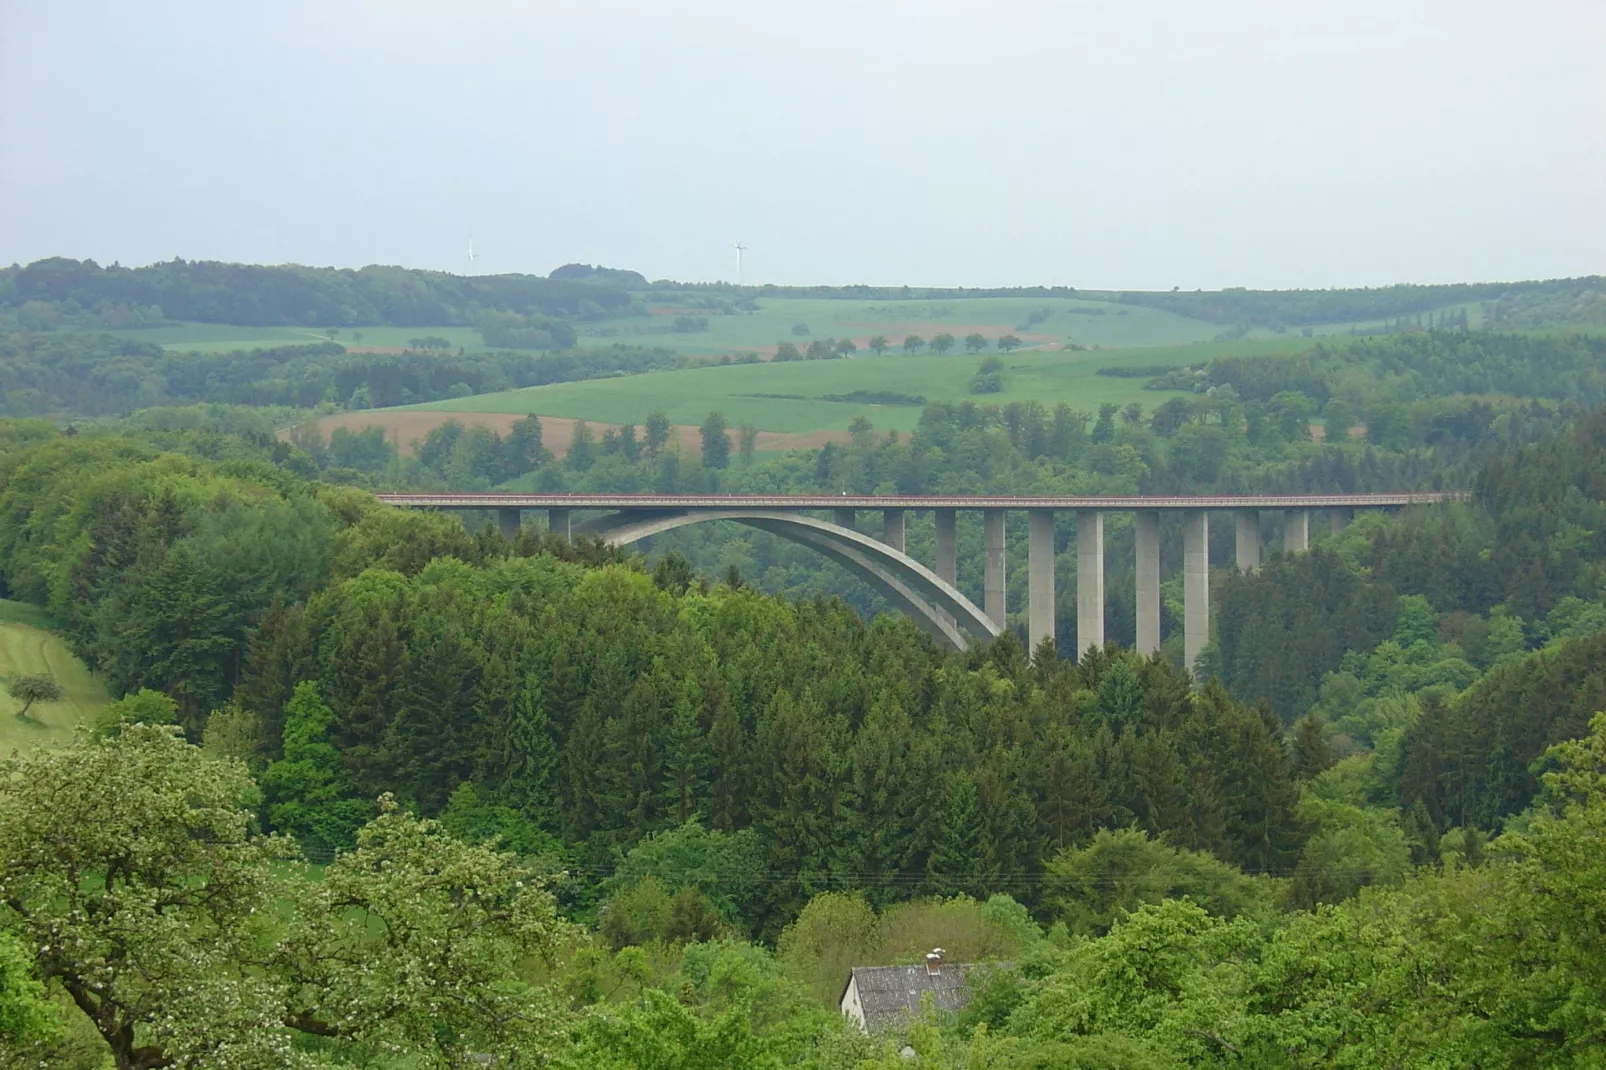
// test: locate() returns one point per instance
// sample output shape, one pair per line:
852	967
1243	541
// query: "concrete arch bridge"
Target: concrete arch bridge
929	594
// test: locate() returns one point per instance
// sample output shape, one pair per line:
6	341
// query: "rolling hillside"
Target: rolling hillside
829	395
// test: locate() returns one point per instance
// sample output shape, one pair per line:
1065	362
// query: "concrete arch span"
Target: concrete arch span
930	601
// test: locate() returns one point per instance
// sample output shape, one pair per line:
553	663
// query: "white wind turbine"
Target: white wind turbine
471	256
740	249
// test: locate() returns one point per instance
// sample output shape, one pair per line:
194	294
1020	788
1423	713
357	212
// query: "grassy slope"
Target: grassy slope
688	395
1116	326
26	647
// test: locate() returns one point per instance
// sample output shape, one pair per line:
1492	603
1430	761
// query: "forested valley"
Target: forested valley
384	789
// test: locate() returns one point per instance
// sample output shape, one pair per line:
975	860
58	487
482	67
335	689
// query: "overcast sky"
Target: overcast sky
1140	143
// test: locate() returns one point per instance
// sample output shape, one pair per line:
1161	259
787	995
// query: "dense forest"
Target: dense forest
102	374
393	791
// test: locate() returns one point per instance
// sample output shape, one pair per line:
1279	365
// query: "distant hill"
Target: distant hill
64	292
630	280
1552	303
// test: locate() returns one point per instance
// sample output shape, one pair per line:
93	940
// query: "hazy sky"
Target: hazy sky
1140	143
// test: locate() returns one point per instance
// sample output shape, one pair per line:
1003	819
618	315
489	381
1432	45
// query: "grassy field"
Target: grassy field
1045	322
686	396
27	647
1058	321
1085	322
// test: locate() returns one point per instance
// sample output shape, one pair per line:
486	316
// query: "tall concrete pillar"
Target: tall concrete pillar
1147	536
844	518
1339	519
1039	576
947	545
557	521
1195	584
1248	539
1296	531
507	522
1089	580
993	573
892	528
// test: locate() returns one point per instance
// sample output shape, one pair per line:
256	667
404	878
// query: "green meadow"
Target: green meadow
27	647
1039	321
1087	321
792	397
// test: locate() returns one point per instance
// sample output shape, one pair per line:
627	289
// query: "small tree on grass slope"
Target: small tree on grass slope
37	687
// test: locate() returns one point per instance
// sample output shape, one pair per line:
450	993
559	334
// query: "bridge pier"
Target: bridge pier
845	518
507	522
1248	531
557	522
1339	519
993	585
1195	585
1296	531
1146	532
946	545
1039	576
1089	581
892	528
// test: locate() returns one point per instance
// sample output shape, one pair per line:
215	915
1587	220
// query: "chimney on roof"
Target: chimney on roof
934	961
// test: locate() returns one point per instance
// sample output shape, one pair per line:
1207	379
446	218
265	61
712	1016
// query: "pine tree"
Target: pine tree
1311	754
686	755
307	793
960	855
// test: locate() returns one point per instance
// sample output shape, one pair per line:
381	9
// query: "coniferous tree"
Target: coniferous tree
961	860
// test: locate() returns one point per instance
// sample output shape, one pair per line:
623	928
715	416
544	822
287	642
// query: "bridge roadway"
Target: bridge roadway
929	594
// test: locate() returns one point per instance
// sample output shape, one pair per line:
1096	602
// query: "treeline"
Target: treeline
863	292
1276	309
100	374
1414	367
292	295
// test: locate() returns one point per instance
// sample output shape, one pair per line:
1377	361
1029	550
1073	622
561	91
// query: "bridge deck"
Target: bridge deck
849	501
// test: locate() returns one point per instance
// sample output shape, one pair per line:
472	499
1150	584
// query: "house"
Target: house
877	997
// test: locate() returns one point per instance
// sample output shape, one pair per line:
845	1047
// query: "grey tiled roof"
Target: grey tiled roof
890	993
